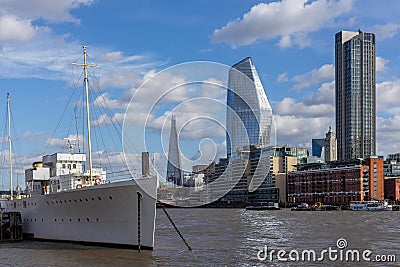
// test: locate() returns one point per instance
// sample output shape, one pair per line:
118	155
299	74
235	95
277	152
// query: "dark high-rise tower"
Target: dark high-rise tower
355	94
247	99
174	172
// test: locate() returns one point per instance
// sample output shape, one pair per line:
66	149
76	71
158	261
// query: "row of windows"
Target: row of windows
75	200
25	204
61	220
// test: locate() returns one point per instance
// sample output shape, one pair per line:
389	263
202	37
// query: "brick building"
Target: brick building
392	188
338	182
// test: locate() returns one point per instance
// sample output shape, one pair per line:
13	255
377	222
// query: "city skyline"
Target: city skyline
294	57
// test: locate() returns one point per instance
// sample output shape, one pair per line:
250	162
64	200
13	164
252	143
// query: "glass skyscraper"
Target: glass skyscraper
355	94
174	172
248	106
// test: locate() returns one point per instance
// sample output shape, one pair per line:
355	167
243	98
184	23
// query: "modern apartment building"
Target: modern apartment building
355	94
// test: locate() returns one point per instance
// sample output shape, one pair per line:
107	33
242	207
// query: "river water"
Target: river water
233	237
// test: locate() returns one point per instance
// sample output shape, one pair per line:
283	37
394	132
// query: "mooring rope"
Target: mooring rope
174	225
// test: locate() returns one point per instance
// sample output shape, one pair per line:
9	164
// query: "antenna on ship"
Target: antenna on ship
70	144
9	143
86	80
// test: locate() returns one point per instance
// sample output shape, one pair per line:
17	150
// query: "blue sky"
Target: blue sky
291	43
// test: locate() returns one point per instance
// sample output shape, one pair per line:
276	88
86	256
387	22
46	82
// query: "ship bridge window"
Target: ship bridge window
74	166
63	165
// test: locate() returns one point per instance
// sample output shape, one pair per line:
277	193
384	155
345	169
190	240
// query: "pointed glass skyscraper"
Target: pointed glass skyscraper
174	172
248	106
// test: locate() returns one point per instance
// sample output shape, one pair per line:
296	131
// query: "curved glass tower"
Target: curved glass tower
248	106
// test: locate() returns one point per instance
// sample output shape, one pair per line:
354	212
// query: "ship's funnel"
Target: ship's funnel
145	164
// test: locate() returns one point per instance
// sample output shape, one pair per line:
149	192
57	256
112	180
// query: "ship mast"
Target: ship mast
86	80
9	143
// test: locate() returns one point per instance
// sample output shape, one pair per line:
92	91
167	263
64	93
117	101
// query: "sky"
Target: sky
290	41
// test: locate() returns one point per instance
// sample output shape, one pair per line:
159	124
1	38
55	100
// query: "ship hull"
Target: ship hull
119	214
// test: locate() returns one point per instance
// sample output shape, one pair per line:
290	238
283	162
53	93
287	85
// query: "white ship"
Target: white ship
372	205
66	203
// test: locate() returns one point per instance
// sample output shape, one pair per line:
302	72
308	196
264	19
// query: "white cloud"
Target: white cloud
50	10
324	95
289	107
111	56
298	122
385	31
285	42
388	138
13	28
381	63
294	130
387	96
281	19
315	76
283	77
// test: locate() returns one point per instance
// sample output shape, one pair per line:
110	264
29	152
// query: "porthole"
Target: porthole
99	198
55	220
110	197
92	198
97	219
79	220
87	219
86	199
80	200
